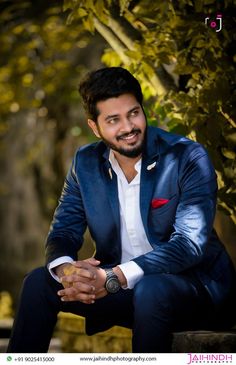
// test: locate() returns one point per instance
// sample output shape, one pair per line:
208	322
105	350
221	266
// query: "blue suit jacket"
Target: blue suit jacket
180	232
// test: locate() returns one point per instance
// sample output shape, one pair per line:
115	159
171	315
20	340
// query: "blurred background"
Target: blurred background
183	53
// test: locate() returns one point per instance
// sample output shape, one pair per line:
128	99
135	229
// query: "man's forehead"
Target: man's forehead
117	105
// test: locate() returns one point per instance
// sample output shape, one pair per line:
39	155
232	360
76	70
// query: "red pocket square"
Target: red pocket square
157	203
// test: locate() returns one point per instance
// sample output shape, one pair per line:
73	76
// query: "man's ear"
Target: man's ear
94	127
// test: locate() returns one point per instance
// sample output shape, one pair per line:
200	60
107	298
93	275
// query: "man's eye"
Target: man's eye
134	113
112	121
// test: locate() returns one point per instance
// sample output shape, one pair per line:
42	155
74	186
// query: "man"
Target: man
148	198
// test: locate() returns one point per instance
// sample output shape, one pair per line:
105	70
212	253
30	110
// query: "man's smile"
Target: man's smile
129	137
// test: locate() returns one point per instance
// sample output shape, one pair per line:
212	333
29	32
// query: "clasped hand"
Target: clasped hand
82	281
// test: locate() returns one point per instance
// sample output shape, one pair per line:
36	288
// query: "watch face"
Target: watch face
112	285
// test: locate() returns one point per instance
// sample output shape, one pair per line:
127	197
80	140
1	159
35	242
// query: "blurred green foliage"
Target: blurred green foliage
186	68
39	56
41	61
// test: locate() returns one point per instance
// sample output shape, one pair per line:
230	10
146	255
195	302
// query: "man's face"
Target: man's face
121	124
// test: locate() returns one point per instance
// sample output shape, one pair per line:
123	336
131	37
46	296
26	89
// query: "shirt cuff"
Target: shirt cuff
132	272
61	260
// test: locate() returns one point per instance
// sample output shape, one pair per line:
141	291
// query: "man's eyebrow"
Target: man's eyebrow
111	116
134	108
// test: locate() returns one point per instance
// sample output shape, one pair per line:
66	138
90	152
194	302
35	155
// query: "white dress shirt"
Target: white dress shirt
134	241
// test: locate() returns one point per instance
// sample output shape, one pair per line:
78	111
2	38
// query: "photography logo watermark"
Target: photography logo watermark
215	23
210	359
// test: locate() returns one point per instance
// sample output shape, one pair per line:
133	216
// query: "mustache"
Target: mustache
134	131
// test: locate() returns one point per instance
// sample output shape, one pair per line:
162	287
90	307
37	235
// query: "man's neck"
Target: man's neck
127	165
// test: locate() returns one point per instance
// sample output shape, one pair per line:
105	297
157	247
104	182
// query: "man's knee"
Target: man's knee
39	287
158	286
153	294
35	277
40	280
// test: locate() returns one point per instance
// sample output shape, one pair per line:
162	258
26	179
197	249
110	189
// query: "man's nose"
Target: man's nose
127	125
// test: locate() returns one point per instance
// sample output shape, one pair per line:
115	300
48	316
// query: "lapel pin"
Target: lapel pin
110	173
150	167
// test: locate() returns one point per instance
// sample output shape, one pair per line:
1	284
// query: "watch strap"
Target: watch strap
110	273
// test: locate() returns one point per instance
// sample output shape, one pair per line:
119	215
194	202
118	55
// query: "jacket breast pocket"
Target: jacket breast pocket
163	217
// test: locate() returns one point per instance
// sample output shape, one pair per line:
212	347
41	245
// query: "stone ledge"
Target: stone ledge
205	341
70	329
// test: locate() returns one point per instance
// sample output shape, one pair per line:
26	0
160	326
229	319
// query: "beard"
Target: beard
133	150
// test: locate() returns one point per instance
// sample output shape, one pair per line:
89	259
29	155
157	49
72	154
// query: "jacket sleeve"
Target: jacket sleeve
65	236
194	217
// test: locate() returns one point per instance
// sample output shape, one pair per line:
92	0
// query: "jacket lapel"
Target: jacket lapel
150	160
112	192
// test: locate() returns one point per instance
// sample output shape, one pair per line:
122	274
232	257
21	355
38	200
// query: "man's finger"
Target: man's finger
92	261
81	297
84	288
80	273
86	264
77	289
71	291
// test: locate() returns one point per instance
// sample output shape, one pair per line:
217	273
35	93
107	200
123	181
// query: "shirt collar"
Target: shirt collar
116	167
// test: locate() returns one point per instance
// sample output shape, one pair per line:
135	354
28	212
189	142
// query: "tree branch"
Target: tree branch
112	40
120	48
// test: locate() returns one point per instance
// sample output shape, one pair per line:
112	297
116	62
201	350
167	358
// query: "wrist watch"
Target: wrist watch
112	283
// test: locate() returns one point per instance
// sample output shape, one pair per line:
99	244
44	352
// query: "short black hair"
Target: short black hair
107	83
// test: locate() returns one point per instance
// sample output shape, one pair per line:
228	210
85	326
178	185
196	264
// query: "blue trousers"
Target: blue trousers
158	305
